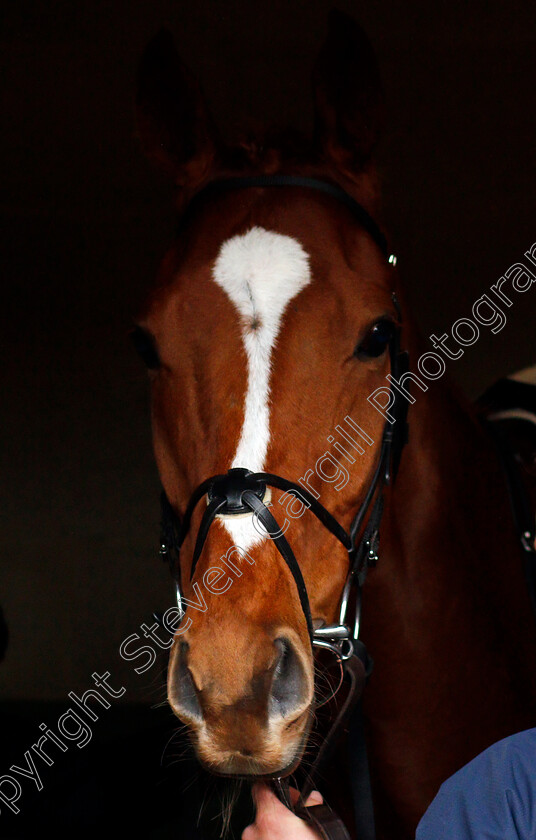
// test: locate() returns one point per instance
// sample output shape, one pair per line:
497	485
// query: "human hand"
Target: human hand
273	821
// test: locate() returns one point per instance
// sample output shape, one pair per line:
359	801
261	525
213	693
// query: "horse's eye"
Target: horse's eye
376	340
145	345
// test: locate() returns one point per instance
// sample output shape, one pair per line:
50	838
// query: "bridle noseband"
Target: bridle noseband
240	491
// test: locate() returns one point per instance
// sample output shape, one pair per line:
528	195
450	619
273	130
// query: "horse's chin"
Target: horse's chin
242	767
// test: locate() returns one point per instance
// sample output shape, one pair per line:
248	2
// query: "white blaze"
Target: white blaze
260	271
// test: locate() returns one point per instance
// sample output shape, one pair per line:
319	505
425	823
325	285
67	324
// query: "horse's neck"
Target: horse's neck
450	480
446	613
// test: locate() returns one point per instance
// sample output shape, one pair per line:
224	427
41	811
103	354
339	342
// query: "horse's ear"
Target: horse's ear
348	95
174	125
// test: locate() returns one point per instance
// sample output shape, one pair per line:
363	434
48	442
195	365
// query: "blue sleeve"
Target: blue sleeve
491	798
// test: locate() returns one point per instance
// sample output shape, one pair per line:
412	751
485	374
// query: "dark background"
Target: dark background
85	221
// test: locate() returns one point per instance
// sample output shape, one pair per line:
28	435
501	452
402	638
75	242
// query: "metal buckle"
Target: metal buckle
336	638
528	542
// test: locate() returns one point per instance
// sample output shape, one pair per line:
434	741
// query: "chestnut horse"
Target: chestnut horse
268	328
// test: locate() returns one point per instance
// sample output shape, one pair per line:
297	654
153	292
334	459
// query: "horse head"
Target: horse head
269	326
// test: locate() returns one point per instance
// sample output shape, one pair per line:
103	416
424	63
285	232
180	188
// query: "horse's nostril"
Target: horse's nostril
289	682
183	693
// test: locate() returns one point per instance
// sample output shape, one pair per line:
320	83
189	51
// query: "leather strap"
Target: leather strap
269	522
520	503
324	821
248	182
326	518
209	515
360	777
357	670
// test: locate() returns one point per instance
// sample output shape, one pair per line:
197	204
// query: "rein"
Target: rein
240	491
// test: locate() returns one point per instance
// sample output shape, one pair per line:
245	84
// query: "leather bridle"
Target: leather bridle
240	492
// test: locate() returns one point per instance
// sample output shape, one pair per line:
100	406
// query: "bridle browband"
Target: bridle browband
240	491
261	181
